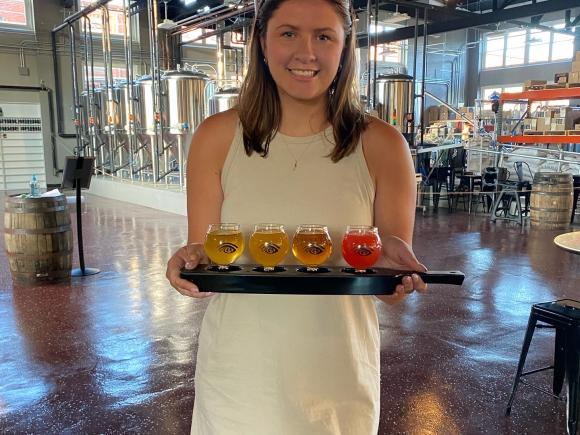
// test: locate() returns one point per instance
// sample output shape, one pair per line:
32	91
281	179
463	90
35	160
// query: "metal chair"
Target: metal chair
512	193
564	316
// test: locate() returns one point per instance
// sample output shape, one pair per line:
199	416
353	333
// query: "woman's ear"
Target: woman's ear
263	47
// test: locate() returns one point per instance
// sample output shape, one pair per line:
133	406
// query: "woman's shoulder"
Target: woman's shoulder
384	148
221	125
380	133
216	133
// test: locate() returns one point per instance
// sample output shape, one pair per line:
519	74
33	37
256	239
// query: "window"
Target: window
521	47
392	52
515	52
562	45
116	17
16	15
494	51
119	74
539	42
196	33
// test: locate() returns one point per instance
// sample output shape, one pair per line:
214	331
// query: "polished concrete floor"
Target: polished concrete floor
114	352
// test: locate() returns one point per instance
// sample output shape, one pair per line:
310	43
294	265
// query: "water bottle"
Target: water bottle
34	187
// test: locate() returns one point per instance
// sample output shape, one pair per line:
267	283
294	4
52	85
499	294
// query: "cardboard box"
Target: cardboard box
575	66
432	114
532	83
561	77
530	124
574	77
576	126
443	113
543	124
577	56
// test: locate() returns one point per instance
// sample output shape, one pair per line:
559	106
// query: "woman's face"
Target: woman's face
303	46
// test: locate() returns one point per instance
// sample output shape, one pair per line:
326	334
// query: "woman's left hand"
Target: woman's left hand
398	255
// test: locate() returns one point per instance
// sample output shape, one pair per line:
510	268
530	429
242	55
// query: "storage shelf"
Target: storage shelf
561	139
542	94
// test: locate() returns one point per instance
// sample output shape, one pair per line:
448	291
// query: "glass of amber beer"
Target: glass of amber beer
269	245
312	246
224	243
361	247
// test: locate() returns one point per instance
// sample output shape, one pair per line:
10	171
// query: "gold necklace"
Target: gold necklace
296	159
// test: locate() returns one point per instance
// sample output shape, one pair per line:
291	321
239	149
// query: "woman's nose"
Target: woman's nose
305	51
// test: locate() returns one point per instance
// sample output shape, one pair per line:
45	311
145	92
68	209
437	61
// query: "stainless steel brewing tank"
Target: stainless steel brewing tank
394	100
223	99
183	100
122	93
109	116
144	113
87	122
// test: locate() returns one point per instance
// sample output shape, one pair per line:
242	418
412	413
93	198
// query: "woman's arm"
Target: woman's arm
391	167
207	153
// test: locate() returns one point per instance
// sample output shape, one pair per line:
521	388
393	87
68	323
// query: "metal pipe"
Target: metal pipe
190	23
453	109
127	38
424	72
58	91
155	143
415	43
110	104
375	60
370	103
79	148
78	15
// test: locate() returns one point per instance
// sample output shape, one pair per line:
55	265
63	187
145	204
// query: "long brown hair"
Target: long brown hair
259	104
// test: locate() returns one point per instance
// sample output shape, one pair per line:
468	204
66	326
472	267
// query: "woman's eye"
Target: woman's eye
288	34
324	37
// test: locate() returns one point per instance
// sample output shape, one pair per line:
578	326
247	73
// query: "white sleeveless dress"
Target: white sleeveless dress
291	364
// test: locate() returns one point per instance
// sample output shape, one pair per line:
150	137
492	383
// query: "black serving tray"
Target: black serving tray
295	280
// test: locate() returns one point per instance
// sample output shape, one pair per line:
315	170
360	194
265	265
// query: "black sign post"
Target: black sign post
77	175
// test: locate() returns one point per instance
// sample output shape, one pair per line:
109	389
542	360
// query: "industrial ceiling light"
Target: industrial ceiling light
166	24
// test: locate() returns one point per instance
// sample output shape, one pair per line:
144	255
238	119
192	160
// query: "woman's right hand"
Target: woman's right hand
189	257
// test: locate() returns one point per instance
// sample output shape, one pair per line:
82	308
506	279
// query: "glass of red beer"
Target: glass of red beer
361	247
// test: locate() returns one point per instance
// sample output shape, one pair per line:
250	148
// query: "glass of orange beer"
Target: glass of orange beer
312	246
269	245
224	243
361	247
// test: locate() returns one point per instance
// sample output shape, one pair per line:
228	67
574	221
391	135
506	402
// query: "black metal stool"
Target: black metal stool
564	316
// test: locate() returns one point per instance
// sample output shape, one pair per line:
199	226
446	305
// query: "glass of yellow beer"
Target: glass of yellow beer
269	245
224	243
312	246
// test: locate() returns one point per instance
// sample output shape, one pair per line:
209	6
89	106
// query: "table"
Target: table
569	242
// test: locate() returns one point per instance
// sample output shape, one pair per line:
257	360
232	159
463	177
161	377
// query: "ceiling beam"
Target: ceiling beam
474	20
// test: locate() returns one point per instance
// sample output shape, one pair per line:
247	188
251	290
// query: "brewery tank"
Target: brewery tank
223	99
394	101
183	100
144	114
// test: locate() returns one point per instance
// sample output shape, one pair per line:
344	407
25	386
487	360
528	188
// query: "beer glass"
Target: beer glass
312	246
224	243
269	245
361	247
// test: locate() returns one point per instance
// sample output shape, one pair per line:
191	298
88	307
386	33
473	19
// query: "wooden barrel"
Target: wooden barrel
551	200
38	237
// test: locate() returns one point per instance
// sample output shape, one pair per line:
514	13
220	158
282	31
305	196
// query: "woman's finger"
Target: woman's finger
418	283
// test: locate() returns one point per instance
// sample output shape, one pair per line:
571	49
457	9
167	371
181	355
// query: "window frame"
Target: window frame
28	27
528	35
117	37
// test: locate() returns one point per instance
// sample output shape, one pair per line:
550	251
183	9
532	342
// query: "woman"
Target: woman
298	149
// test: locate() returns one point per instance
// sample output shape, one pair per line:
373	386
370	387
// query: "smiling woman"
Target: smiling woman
303	52
297	150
